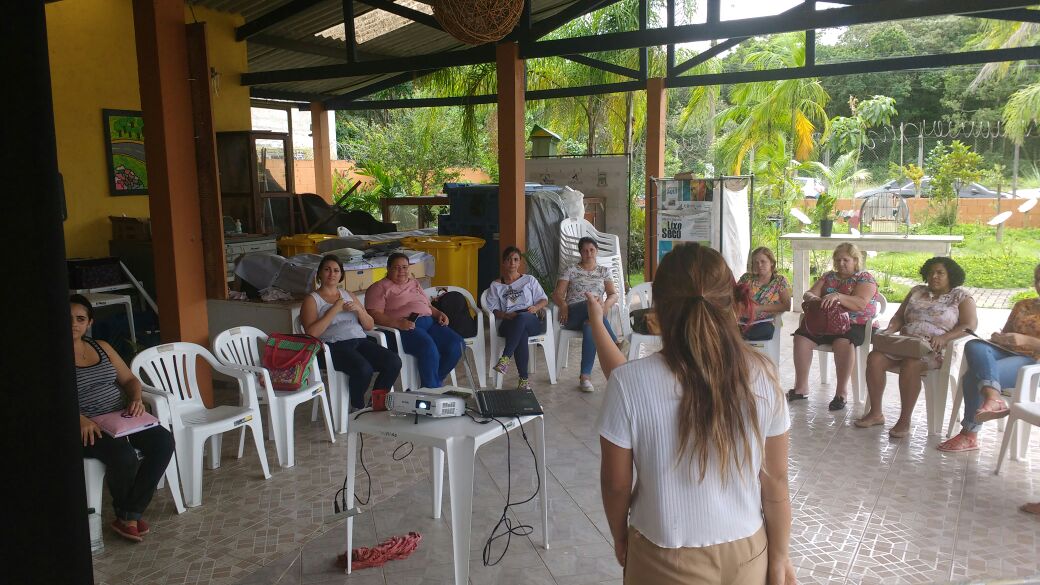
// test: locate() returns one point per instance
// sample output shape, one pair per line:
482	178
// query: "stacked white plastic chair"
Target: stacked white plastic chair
240	347
545	340
640	297
337	382
859	383
609	255
475	344
169	371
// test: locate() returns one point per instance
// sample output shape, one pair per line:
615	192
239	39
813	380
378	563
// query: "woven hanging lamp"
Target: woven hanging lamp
476	22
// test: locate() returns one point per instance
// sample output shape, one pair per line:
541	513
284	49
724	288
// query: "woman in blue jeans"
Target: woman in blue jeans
399	301
992	369
584	277
517	301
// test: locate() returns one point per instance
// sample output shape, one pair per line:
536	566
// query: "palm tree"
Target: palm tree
770	112
841	176
1023	107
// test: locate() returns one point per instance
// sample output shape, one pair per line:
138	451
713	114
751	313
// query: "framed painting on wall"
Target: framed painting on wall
124	151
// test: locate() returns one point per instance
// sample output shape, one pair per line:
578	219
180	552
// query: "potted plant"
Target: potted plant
823	212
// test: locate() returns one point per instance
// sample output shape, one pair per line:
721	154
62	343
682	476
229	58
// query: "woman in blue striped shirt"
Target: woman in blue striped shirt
104	384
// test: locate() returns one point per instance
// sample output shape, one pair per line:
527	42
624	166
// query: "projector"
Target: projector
433	405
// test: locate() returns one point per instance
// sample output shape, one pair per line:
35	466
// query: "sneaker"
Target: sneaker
523	384
502	366
585	385
126	531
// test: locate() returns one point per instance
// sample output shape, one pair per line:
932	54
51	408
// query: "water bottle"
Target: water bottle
238	226
97	544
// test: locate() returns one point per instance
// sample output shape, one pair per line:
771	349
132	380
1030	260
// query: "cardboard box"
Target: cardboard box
360	280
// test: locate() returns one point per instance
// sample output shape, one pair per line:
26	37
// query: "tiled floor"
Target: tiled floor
866	509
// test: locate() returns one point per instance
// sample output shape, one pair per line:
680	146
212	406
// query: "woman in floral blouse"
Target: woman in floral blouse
769	290
994	366
938	311
853	290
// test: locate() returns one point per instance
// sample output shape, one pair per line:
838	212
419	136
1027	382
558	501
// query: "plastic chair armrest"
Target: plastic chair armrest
1027	383
246	381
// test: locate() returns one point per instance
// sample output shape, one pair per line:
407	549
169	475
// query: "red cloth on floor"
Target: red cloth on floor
392	549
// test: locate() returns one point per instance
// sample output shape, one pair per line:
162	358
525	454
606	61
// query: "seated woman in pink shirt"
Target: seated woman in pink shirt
399	301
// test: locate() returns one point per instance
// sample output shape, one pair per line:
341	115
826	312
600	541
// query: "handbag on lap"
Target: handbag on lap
288	359
819	321
902	345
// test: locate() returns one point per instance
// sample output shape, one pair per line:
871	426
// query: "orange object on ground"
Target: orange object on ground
393	549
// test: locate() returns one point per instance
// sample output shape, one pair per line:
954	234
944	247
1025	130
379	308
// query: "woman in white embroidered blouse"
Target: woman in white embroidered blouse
706	424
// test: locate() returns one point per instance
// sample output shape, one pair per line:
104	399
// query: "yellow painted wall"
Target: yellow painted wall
93	61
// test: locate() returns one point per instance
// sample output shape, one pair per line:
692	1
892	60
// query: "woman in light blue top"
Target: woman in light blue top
339	319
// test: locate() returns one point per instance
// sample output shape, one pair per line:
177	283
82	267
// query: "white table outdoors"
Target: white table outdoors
803	243
458	438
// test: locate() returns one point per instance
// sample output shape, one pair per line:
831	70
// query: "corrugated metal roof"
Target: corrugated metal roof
268	51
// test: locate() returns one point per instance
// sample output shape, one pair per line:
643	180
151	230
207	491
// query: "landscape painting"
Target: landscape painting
124	150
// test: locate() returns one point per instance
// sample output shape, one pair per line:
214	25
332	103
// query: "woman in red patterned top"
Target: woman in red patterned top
769	290
853	290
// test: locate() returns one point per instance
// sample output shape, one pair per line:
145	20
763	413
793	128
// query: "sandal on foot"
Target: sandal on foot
958	444
837	403
792	396
991	413
864	423
126	531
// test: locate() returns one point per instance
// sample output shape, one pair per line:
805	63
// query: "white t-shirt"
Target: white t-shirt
670	506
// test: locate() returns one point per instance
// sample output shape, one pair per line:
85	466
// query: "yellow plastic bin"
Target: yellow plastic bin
455	258
301	244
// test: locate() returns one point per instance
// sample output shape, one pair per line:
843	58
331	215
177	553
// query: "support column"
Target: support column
44	491
322	152
211	216
512	214
656	110
173	188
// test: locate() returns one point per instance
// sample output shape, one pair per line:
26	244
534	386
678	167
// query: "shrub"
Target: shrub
1021	296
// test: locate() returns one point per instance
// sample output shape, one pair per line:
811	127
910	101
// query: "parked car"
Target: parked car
811	187
905	188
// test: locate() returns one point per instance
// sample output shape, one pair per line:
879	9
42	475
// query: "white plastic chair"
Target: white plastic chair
1025	413
639	297
169	371
859	365
572	230
239	347
94	469
476	344
771	347
618	313
546	341
337	382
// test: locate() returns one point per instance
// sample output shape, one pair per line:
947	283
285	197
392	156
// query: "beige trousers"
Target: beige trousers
741	562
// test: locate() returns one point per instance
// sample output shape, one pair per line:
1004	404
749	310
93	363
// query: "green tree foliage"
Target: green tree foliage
950	167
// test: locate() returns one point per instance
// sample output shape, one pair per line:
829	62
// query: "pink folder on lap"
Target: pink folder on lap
119	424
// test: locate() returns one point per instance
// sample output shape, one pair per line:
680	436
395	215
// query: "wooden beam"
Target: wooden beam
210	214
603	66
656	111
322	151
512	214
173	185
269	19
474	56
405	12
348	30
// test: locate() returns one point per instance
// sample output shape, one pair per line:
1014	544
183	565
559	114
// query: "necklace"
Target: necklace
81	351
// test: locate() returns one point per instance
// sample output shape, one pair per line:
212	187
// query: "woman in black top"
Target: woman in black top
104	384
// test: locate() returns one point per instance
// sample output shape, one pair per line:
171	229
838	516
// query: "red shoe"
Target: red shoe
143	527
126	531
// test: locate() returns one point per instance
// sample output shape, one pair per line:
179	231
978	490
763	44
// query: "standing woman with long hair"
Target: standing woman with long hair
705	423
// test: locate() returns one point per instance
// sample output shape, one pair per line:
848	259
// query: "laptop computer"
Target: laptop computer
508	403
119	424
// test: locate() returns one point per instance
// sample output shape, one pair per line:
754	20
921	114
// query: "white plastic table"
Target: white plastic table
104	300
458	438
801	244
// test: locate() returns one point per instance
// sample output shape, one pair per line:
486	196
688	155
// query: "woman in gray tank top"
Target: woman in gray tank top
339	319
